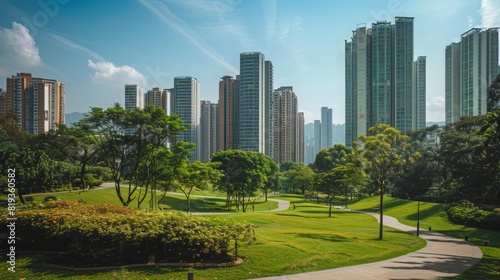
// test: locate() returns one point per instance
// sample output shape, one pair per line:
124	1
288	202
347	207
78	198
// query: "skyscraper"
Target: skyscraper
268	107
252	103
134	97
452	83
186	104
317	137
208	130
403	74
419	92
300	142
158	97
228	127
380	78
326	127
37	102
357	84
285	125
475	57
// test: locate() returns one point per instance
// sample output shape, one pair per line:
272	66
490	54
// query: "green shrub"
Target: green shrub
107	234
465	213
49	198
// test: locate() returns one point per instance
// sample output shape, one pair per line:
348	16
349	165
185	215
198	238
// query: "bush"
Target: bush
465	213
107	234
29	199
49	198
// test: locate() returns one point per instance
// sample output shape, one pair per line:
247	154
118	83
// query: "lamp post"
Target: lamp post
433	188
418	218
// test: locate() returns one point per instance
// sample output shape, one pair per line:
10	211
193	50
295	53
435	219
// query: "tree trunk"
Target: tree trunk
381	230
330	209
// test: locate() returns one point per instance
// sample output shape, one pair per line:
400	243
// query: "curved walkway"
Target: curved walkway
443	256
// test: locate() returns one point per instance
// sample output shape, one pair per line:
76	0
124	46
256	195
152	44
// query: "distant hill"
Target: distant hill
73	117
433	123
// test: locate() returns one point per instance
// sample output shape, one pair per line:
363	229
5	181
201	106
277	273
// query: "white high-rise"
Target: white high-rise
134	97
186	104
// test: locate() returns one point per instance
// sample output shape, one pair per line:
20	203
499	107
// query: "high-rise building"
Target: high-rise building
357	84
419	92
403	74
186	104
208	130
300	147
159	98
452	83
326	127
37	102
268	107
285	126
475	57
252	103
3	102
134	97
317	137
380	79
228	127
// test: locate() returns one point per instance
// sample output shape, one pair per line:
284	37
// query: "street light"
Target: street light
433	188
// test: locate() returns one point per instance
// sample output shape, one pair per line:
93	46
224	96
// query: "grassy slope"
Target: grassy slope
292	241
433	215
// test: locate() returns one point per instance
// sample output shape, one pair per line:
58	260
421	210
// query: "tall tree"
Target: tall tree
381	152
199	175
129	138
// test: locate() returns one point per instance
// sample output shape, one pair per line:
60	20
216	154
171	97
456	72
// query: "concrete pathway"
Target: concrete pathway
443	256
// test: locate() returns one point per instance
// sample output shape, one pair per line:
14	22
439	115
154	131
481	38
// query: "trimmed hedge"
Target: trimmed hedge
106	234
465	213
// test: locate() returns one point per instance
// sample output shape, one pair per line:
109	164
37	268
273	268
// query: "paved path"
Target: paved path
443	256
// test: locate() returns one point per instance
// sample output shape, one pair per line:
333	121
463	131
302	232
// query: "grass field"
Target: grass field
433	215
288	242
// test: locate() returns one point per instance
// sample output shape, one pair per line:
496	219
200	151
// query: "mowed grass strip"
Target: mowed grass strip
288	242
433	215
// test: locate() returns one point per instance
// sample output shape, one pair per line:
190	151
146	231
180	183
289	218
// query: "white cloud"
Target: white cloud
108	73
436	108
490	11
18	48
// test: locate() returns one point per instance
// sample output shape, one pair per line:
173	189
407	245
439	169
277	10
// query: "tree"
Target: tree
494	95
72	143
287	165
197	174
420	174
244	175
327	159
299	177
471	158
129	138
381	152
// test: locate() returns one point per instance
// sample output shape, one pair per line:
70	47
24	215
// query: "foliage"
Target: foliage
129	138
382	153
471	160
420	173
299	177
197	174
465	213
244	175
110	234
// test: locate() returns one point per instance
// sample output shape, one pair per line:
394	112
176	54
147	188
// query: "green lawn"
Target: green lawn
433	215
292	241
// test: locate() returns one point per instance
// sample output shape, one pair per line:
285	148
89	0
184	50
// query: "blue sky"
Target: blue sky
96	47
